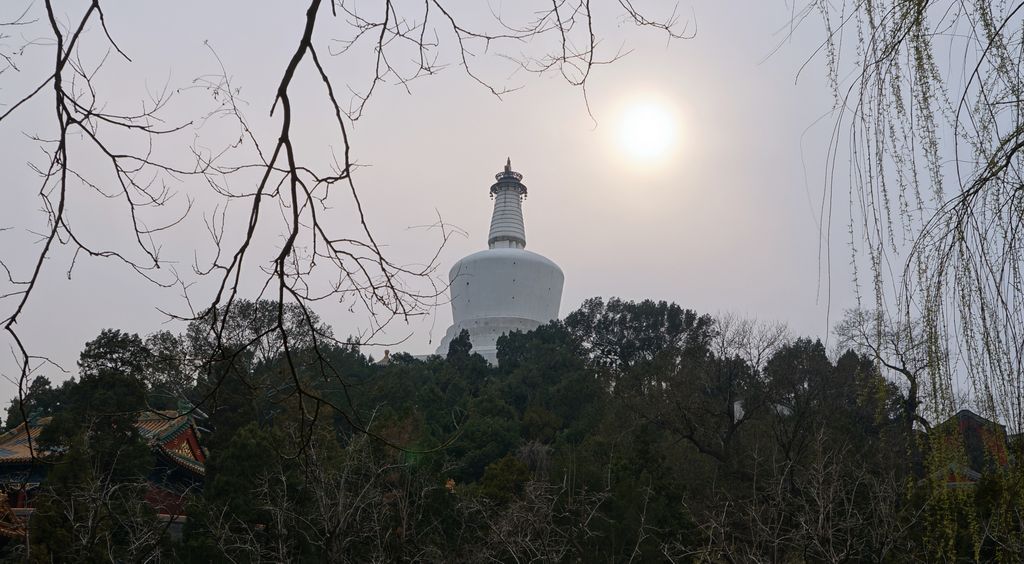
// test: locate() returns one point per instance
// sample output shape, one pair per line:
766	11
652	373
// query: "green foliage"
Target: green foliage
41	400
168	374
114	351
621	334
91	506
504	479
624	433
256	326
490	432
460	346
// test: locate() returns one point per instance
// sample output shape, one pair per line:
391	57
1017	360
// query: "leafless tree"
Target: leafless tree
264	186
751	339
362	503
902	350
98	516
262	174
547	523
839	510
353	504
705	402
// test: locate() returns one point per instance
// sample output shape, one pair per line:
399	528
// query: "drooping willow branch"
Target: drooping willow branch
930	94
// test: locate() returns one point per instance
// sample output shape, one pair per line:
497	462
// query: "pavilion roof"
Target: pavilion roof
15	445
156	428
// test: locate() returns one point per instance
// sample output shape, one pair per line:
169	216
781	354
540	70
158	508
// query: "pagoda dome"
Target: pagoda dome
503	288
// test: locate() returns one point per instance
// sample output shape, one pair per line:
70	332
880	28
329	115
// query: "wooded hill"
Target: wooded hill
630	431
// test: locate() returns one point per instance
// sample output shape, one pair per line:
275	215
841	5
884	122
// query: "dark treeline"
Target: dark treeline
630	431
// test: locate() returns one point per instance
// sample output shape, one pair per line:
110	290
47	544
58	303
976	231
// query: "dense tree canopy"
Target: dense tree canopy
633	430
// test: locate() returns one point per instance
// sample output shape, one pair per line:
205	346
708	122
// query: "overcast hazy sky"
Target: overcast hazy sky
728	223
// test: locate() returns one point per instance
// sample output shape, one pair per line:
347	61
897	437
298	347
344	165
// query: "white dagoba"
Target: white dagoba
504	288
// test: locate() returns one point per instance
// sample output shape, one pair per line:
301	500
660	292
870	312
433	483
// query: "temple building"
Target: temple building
505	287
974	445
179	467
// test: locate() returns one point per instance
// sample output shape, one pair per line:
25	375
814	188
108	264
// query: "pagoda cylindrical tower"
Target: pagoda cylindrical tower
507	229
505	287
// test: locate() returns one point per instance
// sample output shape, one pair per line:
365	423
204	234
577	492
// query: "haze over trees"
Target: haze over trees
628	431
256	189
632	430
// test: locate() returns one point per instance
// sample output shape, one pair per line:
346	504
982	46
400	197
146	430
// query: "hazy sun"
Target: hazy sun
647	130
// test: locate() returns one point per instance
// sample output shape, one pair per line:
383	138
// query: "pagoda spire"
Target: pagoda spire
507	229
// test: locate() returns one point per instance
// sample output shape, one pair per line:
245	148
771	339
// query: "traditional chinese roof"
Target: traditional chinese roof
984	444
15	444
157	427
162	430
